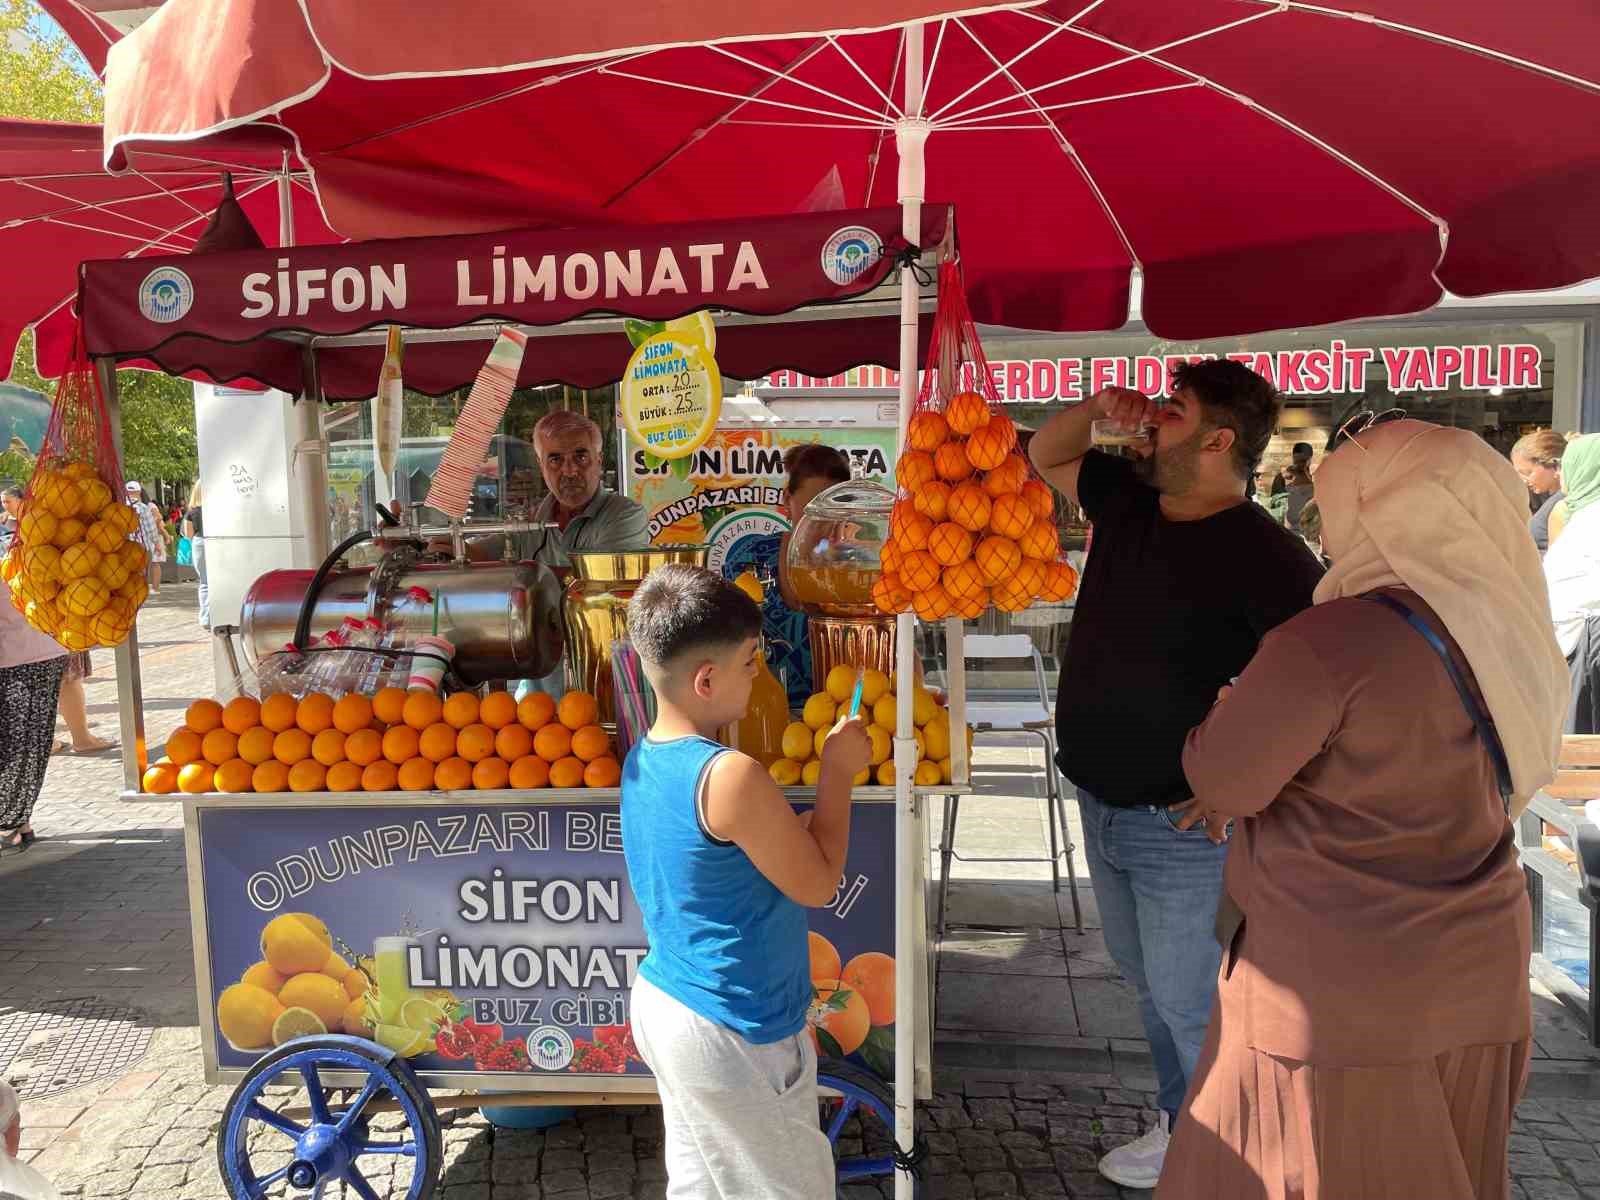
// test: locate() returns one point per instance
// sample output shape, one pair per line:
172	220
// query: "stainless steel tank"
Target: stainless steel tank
503	618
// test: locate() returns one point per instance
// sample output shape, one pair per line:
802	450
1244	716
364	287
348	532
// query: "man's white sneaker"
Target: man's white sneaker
1138	1164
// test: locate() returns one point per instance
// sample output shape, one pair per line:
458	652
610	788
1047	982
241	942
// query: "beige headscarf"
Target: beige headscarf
1438	511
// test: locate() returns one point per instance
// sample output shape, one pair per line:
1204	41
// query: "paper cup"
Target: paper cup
430	655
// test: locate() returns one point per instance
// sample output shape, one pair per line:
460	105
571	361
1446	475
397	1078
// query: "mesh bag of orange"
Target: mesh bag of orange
74	570
972	526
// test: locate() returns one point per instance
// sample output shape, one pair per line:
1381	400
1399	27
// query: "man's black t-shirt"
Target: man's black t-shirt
1168	612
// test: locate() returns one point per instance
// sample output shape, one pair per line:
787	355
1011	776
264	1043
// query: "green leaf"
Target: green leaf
639	332
680	466
878	1051
830	1047
839	1001
651	462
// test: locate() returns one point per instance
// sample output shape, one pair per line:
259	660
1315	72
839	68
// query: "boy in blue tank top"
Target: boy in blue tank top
723	871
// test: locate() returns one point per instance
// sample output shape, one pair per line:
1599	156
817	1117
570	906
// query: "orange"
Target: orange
513	742
1011	516
162	779
914	468
578	709
352	712
889	557
277	711
825	960
1009	476
970	507
218	746
951	461
918	570
491	773
963	581
1007	596
203	716
290	746
965	412
1060	581
590	743
529	771
901	513
453	774
871	976
1029	578
460	710
437	742
270	776
889	594
315	713
344	777
497	710
308	775
536	710
838	1013
388	705
328	747
927	431
566	773
380	776
421	709
971	607
932	603
364	746
551	743
950	544
401	742
1041	541
240	714
255	745
989	444
603	772
997	557
1040	499
932	499
415	775
914	533
196	777
184	746
476	742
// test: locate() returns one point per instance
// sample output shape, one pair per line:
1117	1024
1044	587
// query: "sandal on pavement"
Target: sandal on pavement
17	841
90	751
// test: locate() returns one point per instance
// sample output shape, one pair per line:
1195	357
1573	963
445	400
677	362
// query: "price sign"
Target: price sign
671	395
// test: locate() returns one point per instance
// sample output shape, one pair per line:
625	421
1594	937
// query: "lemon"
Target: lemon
819	738
886	773
927	773
945	771
246	1014
880	743
292	944
294	1023
695	327
421	1014
862	776
874	686
264	975
444	998
936	736
356	983
797	741
356	1020
811	772
403	1040
820	709
883	713
314	990
335	967
750	586
922	746
841	682
923	706
785	772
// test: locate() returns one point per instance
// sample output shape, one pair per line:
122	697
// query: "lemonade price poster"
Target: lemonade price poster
671	394
490	939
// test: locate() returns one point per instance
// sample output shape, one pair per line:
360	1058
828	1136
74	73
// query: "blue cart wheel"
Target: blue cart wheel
867	1099
336	1144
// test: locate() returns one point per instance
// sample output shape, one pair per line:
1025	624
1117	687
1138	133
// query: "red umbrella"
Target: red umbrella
1263	164
58	207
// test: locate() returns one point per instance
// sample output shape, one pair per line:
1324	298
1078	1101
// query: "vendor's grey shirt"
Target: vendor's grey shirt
609	522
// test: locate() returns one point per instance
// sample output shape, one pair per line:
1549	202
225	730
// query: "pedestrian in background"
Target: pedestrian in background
152	533
1572	563
1537	458
10	516
1297	481
31	667
17	1178
194	530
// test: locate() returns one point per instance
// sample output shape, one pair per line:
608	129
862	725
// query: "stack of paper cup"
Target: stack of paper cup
430	656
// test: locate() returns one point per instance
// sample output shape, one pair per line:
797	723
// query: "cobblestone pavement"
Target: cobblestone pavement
98	909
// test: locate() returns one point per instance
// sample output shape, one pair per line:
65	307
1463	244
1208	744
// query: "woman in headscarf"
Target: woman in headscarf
1572	564
1372	1028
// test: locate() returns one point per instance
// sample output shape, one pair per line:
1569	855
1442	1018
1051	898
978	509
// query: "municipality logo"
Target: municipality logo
849	252
550	1048
166	295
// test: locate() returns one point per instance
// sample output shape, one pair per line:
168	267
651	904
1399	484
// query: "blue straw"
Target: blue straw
855	700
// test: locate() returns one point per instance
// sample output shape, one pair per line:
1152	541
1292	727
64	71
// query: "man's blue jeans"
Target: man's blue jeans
1157	889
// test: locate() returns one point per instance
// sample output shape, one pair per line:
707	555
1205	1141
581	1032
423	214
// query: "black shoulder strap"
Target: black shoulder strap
1486	729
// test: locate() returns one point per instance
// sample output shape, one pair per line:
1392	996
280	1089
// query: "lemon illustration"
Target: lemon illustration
421	1014
697	327
246	1014
403	1040
264	975
314	990
296	1022
444	998
336	967
357	1021
356	983
296	942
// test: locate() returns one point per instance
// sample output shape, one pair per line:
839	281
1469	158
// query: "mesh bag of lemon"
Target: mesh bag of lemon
72	570
972	525
392	741
803	739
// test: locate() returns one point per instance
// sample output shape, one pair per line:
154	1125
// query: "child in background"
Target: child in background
723	871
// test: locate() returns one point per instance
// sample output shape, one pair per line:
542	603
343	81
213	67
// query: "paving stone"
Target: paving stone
944	1164
1016	1137
968	1138
950	1187
161	1181
983	1158
1584	1171
1042	1185
517	1143
940	1142
1090	1186
565	1135
1526	1165
994	1183
514	1170
1568	1151
1548	1189
555	1182
988	1090
466	1191
1075	1159
604	1185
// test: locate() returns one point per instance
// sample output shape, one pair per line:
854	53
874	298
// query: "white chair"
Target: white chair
1031	717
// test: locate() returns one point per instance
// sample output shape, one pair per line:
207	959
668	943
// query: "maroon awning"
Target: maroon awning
244	316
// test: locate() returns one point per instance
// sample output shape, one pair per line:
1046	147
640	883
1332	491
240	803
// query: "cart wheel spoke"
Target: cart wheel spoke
260	1112
266	1181
409	1149
314	1093
847	1107
358	1183
348	1117
316	1192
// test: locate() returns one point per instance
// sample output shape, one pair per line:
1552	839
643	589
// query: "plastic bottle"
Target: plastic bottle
414	601
279	672
759	733
322	672
371	665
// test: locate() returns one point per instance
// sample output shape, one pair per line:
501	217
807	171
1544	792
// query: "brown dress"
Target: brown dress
1372	1029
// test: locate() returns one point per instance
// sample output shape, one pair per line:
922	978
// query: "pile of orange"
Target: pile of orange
394	741
971	527
849	1001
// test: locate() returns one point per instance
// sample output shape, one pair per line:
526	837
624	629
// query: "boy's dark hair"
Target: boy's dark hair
1232	396
1301	451
813	461
680	609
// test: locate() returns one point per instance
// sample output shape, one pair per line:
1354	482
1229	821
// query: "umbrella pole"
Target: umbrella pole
911	132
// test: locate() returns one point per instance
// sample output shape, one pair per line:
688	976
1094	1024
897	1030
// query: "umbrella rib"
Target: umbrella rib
165	191
786	76
982	122
862	122
1001	68
889	103
112	233
933	65
875	154
76	205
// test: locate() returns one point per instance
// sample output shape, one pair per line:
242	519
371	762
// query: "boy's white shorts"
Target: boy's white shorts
741	1119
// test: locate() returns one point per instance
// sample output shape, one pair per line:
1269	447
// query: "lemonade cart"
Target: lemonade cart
483	938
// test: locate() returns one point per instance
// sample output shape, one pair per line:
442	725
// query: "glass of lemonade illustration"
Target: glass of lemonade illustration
394	988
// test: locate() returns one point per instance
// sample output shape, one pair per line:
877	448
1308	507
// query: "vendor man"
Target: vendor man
588	518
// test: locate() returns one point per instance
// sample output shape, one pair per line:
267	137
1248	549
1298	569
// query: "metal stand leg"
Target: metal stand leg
1066	833
947	846
1050	807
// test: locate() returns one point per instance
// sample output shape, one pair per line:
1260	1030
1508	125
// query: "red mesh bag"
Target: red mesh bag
950	544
